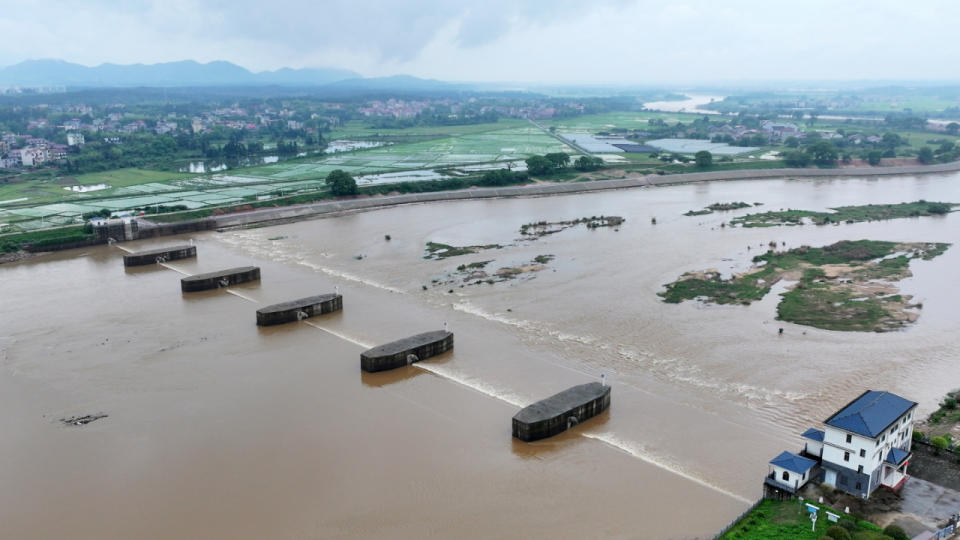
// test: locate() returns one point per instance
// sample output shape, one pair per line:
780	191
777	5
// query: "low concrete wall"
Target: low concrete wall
150	229
221	278
561	411
154	256
405	351
296	309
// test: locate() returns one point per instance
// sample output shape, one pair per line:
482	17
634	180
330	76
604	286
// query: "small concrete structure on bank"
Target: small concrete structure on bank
220	278
153	256
296	310
560	412
406	351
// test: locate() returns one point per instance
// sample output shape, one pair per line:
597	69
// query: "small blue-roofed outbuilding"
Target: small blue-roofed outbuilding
788	473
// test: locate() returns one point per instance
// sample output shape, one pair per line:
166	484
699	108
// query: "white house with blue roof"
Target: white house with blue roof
863	446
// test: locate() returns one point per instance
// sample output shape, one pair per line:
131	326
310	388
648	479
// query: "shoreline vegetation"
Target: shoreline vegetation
15	246
846	286
846	214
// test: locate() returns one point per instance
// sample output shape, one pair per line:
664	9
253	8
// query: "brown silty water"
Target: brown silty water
220	429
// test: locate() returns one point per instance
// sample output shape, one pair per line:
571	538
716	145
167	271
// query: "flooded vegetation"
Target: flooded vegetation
544	228
720	207
849	285
436	250
476	273
845	214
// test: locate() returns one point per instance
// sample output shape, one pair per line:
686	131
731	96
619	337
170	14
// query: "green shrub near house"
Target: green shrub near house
778	520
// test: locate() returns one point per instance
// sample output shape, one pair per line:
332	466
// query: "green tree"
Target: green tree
953	128
791	141
703	158
874	157
823	153
796	158
891	140
341	183
560	160
587	163
537	165
925	155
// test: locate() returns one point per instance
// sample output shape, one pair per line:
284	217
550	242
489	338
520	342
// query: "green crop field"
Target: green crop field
362	129
516	143
592	123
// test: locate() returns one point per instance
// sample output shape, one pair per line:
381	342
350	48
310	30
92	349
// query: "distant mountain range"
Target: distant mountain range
183	73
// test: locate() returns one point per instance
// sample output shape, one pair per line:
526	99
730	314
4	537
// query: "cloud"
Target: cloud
532	40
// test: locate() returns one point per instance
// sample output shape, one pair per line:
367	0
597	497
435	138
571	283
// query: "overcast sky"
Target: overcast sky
584	41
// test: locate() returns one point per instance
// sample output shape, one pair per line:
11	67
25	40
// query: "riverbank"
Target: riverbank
291	213
239	217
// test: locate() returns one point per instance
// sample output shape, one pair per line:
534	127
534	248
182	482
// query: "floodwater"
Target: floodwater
689	105
220	429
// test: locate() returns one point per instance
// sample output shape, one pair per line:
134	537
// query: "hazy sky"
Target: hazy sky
502	40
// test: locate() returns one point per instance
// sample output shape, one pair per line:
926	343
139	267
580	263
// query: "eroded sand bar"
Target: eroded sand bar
295	310
560	412
405	351
153	256
220	278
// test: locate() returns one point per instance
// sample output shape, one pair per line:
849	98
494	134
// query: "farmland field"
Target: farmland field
476	146
593	123
45	202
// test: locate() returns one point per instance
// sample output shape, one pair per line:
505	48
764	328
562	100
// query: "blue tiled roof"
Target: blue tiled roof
871	413
793	462
896	456
813	435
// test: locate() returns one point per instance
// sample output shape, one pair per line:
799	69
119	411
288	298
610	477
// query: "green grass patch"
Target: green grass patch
436	250
846	214
123	177
779	520
48	237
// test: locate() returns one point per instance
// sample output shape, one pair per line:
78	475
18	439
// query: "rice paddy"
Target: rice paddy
450	151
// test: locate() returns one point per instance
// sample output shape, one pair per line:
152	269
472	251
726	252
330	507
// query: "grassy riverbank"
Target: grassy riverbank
848	286
846	214
48	237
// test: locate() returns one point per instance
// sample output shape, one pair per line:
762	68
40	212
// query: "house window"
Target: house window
786	475
877	443
846	456
858	486
849	438
863	453
860	469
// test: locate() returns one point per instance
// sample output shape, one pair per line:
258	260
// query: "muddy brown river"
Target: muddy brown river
217	428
